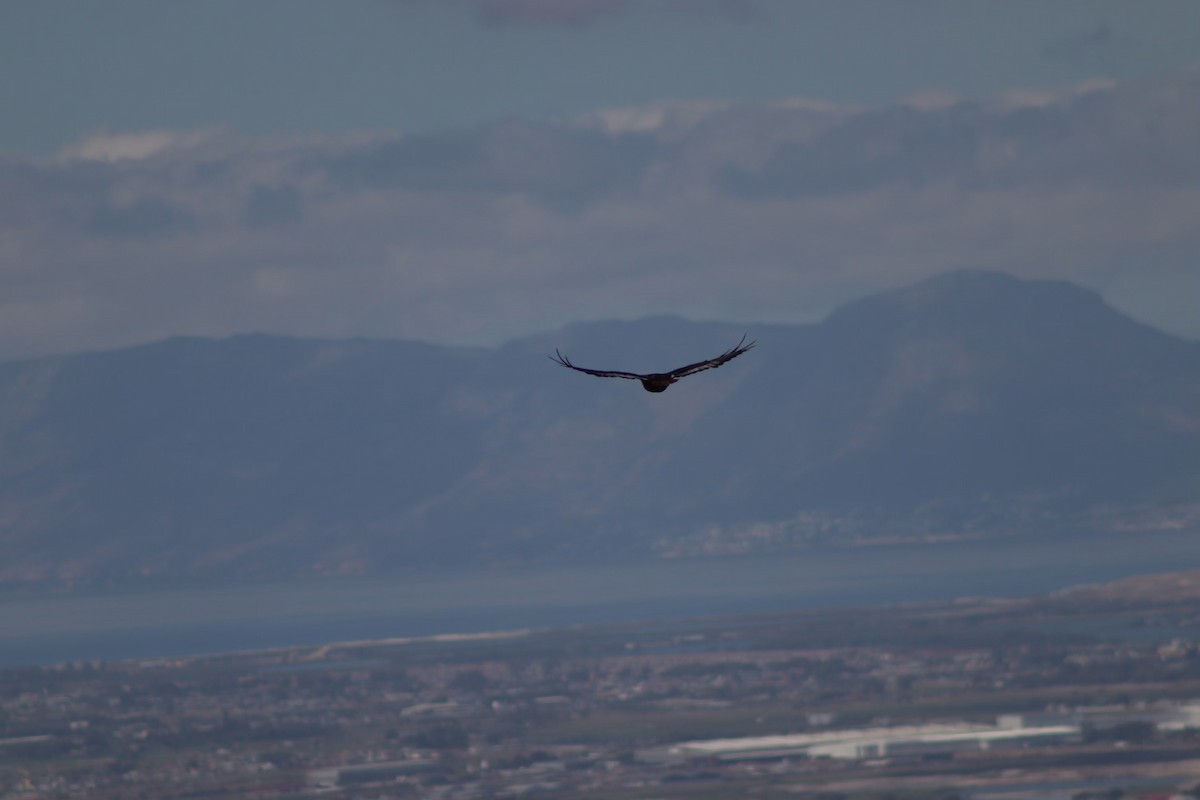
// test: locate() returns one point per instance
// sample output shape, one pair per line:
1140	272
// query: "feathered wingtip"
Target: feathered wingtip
741	346
559	358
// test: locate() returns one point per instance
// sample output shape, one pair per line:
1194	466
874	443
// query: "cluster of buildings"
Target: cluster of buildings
588	711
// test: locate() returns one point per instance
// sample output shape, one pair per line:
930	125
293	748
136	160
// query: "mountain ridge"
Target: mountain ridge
971	404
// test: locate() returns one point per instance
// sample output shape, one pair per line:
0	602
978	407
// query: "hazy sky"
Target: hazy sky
472	170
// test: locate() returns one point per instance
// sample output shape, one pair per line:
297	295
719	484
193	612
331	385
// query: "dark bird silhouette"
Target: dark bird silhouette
659	381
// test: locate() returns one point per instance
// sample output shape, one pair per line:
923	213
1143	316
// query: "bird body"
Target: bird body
659	381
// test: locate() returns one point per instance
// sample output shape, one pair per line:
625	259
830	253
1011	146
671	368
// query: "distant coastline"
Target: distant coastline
52	629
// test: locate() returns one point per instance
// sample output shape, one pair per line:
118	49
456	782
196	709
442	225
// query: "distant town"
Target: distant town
1088	694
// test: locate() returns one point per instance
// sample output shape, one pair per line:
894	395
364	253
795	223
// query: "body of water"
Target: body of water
45	630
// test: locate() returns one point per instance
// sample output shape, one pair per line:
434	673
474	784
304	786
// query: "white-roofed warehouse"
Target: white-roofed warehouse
863	743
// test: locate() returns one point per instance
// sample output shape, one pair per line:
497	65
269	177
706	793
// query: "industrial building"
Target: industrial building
867	743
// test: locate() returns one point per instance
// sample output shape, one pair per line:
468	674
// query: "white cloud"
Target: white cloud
722	211
931	100
1041	98
649	118
130	146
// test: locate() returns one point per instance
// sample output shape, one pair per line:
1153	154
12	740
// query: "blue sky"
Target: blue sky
472	170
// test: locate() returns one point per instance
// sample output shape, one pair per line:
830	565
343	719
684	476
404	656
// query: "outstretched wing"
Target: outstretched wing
712	363
561	359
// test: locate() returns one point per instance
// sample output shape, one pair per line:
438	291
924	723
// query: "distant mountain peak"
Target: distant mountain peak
974	299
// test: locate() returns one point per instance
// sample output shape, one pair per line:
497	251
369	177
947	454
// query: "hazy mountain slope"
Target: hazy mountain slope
973	402
968	395
192	452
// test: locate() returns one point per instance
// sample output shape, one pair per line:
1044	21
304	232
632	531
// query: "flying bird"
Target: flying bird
659	381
